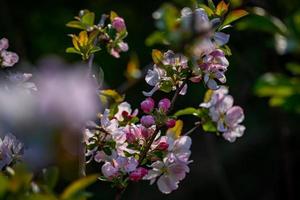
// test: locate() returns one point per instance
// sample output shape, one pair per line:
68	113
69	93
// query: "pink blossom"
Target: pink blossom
125	111
138	174
8	58
169	172
109	171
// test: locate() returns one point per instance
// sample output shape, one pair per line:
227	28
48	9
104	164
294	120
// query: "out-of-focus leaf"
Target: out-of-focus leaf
156	37
71	191
211	5
261	21
294	68
133	71
112	94
39	197
274	85
50	176
222	8
3	185
157	56
233	16
168	18
207	9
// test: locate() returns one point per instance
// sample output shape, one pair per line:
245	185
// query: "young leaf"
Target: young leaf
88	18
175	132
113	15
207	9
78	186
157	56
233	16
222	8
211	5
209	127
188	111
50	176
75	24
112	94
72	50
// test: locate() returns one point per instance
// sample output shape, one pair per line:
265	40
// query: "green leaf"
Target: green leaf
3	185
209	127
112	94
113	15
76	187
211	5
189	111
95	49
88	18
270	85
166	86
233	16
72	50
294	68
207	9
75	24
262	23
156	37
50	176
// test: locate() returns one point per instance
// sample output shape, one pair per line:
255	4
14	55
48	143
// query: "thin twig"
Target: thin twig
197	125
91	59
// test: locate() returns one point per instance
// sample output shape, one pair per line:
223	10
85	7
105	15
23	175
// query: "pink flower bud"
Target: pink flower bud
164	104
162	146
147	105
130	137
171	123
145	133
147	120
138	174
3	44
118	24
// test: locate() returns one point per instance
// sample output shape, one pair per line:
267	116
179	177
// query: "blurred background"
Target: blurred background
263	77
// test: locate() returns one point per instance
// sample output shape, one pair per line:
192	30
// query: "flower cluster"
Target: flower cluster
146	144
168	72
224	114
205	59
11	150
120	140
93	36
7	58
133	146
